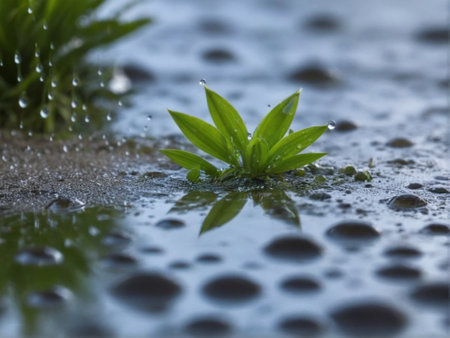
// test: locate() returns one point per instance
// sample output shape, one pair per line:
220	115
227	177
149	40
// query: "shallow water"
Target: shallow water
130	248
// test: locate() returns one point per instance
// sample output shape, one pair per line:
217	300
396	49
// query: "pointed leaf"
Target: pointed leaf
256	155
293	162
295	143
193	175
203	135
227	119
194	200
277	204
275	125
190	161
224	211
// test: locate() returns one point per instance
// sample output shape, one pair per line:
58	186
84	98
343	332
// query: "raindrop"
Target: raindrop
331	125
75	82
65	148
202	82
39	68
53	84
41	78
23	102
44	113
50	96
17	58
149	117
74	104
87	119
108	117
19	77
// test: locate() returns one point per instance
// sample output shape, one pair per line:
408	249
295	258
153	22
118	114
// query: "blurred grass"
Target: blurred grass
52	39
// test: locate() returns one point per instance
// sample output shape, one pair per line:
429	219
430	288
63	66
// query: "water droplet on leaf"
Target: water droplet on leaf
202	82
331	125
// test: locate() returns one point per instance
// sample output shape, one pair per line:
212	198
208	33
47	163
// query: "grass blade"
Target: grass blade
293	162
295	142
224	211
275	125
227	119
190	161
203	135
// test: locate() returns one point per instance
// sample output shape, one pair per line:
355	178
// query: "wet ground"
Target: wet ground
104	237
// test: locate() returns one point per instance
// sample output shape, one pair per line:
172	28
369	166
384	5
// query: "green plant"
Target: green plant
265	153
46	81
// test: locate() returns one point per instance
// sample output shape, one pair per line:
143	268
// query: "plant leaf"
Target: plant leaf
227	119
190	161
203	135
224	210
293	162
194	200
193	175
275	125
295	143
256	155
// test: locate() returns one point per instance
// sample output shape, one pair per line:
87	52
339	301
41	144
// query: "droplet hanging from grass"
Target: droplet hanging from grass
331	125
23	101
44	112
202	82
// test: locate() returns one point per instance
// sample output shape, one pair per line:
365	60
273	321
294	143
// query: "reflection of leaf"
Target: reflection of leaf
278	205
194	200
224	210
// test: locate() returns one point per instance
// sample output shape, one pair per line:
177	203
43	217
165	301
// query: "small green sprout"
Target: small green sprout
266	152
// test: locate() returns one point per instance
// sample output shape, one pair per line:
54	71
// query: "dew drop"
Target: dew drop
41	78
44	113
331	125
50	63
23	102
99	72
50	96
30	10
73	118
39	68
202	82
65	148
74	104
44	27
52	46
53	84
83	107
17	58
75	82
87	119
19	78
108	117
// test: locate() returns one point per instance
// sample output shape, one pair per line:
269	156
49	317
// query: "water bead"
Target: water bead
44	113
75	82
331	125
149	117
23	102
74	104
39	68
17	58
202	82
108	117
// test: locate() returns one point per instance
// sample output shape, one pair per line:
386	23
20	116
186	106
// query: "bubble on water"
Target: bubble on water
74	104
75	82
50	96
108	117
17	58
202	82
87	119
23	102
331	125
44	112
149	117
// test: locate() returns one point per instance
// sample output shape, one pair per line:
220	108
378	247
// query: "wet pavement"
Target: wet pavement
105	237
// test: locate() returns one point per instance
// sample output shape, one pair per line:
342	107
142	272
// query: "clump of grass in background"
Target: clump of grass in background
267	152
46	82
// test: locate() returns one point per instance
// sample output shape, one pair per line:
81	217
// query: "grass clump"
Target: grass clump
46	82
267	152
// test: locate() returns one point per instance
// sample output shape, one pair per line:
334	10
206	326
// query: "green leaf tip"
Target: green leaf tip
273	149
